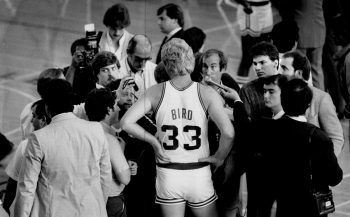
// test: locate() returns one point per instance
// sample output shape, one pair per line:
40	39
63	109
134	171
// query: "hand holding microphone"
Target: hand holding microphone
208	80
225	91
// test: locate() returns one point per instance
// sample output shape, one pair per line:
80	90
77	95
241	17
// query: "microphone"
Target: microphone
210	82
230	82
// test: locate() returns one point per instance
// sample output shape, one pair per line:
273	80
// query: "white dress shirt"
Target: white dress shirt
143	79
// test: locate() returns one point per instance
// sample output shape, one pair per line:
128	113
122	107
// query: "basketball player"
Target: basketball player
181	109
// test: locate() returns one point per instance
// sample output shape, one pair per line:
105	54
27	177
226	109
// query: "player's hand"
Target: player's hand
213	160
133	167
229	93
159	152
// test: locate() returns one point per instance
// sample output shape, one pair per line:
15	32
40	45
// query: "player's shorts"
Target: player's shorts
194	187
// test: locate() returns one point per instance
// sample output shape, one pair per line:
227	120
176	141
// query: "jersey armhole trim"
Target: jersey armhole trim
201	100
161	99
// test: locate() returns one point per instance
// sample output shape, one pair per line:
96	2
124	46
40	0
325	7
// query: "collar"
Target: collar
278	115
300	118
110	41
108	129
99	86
173	32
63	116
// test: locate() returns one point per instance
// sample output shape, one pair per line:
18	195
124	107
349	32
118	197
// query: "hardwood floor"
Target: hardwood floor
37	34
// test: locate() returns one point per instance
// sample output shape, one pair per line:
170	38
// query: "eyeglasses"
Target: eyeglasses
136	98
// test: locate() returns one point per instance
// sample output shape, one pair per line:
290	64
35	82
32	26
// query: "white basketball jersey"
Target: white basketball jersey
182	123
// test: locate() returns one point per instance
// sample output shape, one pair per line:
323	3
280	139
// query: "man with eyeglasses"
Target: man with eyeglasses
137	64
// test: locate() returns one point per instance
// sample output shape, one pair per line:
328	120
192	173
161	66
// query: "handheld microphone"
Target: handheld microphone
210	82
229	81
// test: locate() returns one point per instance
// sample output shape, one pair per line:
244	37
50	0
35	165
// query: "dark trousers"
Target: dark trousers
331	75
315	57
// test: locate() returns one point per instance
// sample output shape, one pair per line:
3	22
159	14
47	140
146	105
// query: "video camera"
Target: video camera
92	39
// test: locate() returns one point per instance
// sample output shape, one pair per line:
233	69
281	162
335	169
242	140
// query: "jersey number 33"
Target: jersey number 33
174	132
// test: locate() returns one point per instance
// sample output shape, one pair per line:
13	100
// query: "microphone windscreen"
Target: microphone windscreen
113	85
229	81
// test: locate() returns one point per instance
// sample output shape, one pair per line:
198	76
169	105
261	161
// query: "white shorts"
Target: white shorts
194	187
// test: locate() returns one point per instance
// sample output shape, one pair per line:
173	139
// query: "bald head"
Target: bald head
139	43
139	52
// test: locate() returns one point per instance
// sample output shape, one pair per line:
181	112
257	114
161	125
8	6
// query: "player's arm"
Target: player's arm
105	167
119	164
139	109
218	115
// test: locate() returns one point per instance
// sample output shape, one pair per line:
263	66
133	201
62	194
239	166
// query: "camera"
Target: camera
91	49
92	39
324	202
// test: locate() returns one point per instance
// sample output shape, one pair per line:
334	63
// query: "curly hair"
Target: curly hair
177	57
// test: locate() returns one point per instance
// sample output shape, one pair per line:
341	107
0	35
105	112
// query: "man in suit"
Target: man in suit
312	33
321	111
171	23
66	169
115	39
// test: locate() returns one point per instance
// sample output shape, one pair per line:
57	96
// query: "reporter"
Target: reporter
284	153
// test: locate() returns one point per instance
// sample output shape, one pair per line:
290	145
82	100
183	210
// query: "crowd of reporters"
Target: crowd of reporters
101	85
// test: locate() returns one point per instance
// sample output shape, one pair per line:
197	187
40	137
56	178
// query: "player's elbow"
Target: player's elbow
125	125
228	133
124	177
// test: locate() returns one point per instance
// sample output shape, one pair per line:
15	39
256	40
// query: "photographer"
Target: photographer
79	74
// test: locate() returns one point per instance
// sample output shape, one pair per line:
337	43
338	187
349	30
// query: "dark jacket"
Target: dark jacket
178	34
281	152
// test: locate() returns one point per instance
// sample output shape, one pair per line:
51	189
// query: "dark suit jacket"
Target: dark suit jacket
281	152
178	34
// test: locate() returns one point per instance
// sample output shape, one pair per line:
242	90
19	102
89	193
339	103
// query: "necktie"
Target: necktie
160	49
164	41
